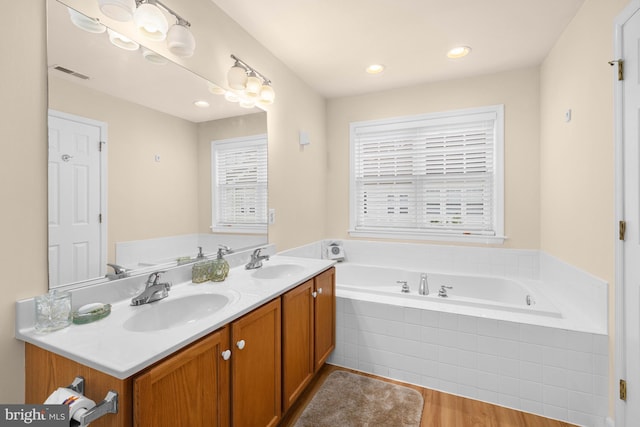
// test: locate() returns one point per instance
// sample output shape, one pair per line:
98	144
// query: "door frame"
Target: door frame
619	345
103	186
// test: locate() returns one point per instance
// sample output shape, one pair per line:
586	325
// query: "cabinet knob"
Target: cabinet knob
240	344
226	354
314	294
319	290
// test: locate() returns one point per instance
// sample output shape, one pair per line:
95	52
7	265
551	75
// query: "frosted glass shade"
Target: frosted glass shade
254	84
180	41
121	41
237	77
84	22
153	57
120	10
267	94
151	22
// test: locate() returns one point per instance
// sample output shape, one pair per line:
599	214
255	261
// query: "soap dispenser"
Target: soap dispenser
201	270
220	267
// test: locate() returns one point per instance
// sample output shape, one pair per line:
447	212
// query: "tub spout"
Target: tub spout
424	286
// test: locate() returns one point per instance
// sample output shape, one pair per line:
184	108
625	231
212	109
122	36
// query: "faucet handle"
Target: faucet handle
154	277
225	249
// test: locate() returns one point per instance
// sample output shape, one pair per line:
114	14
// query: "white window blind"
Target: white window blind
239	184
432	174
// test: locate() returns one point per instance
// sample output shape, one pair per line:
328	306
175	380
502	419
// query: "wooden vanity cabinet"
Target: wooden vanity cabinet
275	351
308	333
256	365
189	388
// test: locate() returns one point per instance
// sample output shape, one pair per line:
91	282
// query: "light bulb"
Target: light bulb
151	22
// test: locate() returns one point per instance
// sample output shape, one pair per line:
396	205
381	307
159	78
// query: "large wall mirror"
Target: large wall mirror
130	158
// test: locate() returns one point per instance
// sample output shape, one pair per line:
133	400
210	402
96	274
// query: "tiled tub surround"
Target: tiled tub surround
556	367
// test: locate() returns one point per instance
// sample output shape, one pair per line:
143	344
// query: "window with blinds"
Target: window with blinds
239	184
430	175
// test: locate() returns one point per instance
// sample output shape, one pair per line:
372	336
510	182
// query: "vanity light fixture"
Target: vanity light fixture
153	57
249	85
458	52
150	17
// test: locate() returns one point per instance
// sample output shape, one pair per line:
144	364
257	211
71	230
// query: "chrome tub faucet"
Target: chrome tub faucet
153	290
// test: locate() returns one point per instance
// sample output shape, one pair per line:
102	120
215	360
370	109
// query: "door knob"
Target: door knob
240	344
226	354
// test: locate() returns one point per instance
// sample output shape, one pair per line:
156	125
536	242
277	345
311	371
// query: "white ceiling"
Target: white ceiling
328	43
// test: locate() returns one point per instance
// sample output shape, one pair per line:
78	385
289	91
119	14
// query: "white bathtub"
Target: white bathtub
488	292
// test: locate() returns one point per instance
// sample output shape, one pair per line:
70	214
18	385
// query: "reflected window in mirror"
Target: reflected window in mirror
239	184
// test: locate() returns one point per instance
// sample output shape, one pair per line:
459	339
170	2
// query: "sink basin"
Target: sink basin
277	271
169	313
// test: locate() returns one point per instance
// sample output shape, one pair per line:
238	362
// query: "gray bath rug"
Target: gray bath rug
347	399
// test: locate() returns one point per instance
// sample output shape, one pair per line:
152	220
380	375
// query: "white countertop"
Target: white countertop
107	346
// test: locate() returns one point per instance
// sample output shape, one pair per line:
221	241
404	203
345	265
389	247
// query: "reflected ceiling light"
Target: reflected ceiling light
121	41
458	52
151	21
201	104
84	22
180	41
375	69
249	83
119	10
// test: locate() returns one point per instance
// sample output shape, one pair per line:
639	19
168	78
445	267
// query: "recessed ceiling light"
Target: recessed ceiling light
458	52
201	104
375	68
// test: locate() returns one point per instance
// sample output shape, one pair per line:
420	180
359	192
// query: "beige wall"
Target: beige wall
577	158
517	90
146	199
23	136
577	176
23	185
233	127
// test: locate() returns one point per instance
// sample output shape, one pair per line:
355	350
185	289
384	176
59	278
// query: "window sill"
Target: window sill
437	237
239	230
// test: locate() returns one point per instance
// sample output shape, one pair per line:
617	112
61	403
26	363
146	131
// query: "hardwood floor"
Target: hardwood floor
440	409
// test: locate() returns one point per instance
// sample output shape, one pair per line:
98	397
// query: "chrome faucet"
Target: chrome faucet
153	290
424	285
405	286
443	291
256	260
118	272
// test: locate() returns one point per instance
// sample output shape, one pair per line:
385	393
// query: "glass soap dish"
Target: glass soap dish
90	313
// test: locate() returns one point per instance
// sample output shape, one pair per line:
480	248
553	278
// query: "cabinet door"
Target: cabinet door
255	373
297	341
325	316
189	388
